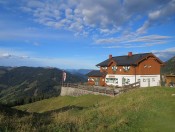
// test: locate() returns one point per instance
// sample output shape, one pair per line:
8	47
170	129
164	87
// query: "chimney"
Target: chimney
129	53
110	56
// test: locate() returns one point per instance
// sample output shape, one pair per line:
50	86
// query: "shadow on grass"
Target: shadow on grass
14	118
4	109
64	109
12	111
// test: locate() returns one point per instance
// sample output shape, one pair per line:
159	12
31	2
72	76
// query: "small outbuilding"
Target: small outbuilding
170	80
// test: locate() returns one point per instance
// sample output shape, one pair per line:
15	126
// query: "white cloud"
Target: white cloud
103	16
107	40
11	57
133	41
143	29
150	38
165	54
159	15
128	46
79	15
6	53
154	15
112	47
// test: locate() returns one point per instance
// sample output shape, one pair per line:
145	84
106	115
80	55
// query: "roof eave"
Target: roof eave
101	65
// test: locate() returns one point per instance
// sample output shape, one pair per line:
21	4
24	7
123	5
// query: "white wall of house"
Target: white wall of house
120	80
149	80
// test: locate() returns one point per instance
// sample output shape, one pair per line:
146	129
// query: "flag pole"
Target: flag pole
62	78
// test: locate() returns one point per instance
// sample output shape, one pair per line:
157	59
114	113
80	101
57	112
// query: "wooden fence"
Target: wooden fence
133	85
103	90
126	88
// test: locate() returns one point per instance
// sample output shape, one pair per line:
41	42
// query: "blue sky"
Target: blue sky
79	33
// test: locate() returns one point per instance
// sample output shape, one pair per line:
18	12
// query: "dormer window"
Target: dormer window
114	68
126	68
104	68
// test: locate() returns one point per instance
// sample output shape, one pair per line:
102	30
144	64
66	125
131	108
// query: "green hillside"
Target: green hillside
28	84
169	67
145	110
62	101
4	70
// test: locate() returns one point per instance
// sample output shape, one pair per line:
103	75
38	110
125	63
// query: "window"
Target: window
116	80
128	80
112	80
114	68
96	79
104	68
147	66
126	68
125	81
90	79
153	79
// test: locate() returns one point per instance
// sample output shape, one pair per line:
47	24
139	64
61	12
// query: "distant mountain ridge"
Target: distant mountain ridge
28	84
169	67
80	71
4	69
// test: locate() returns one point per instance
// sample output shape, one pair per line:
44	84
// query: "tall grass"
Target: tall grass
148	109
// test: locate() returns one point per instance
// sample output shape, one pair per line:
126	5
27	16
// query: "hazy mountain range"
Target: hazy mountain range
20	85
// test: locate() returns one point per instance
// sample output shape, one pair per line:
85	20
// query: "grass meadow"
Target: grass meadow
140	110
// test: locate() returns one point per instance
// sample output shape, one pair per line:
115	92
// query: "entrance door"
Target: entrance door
123	81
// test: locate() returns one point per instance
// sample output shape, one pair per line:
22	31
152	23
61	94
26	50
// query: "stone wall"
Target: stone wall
69	91
73	91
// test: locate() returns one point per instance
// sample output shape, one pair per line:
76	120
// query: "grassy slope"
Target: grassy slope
59	102
149	109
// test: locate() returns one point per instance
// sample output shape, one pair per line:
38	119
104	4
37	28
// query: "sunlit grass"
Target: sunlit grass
62	101
147	109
